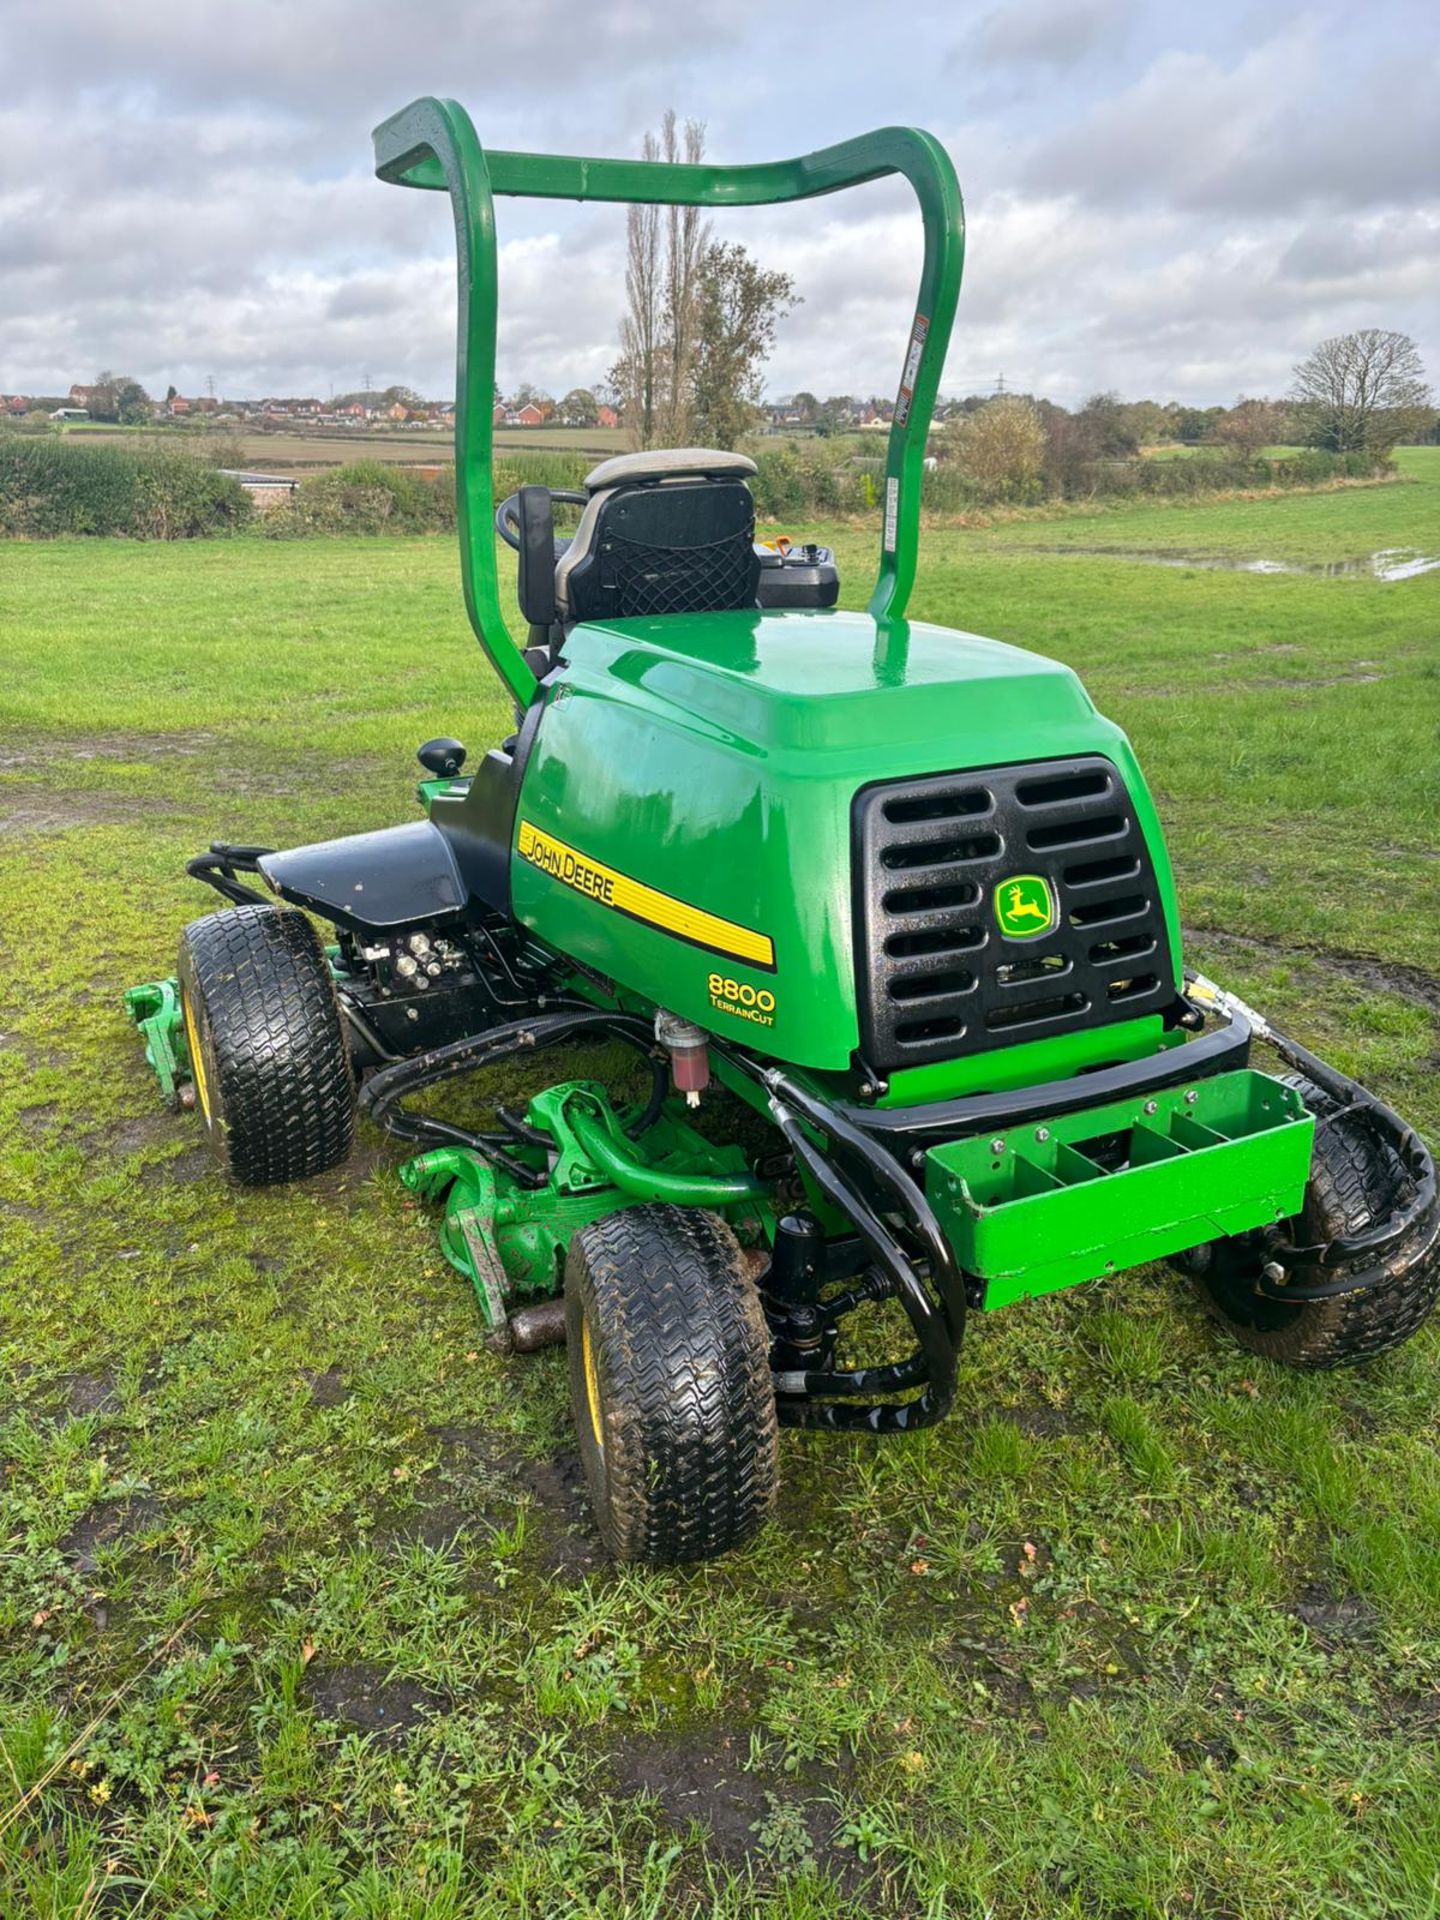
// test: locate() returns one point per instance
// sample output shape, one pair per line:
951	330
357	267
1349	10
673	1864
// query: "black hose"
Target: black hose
382	1093
886	1171
217	869
937	1351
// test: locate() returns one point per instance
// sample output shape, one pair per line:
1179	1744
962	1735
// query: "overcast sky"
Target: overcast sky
1165	199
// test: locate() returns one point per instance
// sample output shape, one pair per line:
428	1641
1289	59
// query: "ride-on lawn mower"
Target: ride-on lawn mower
900	890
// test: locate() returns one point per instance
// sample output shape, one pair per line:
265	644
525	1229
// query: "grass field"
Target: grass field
312	450
301	1613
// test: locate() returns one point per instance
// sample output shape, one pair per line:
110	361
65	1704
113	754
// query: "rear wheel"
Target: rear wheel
273	1081
1355	1183
670	1384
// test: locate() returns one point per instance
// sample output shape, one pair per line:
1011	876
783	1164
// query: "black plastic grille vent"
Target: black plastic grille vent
936	975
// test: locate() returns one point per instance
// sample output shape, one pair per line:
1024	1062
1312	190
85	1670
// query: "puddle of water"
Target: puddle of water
1389	563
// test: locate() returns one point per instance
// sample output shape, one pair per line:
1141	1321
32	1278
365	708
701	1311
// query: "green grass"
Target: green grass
300	1613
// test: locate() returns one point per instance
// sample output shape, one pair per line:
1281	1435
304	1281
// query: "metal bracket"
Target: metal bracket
155	1009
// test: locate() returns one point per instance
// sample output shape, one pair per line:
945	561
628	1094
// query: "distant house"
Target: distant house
178	405
397	412
14	403
527	416
606	416
88	397
497	419
70	413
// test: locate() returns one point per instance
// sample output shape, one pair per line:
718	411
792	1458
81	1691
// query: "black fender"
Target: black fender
399	877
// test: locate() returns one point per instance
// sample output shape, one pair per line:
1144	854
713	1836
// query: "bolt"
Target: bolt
917	1159
997	1146
1151	1106
412	1013
1273	1272
1191	1096
1042	1133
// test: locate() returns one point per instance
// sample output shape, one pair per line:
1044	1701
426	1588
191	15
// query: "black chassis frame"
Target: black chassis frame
865	1167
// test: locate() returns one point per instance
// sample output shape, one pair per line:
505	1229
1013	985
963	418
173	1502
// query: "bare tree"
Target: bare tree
636	374
1362	392
653	374
688	238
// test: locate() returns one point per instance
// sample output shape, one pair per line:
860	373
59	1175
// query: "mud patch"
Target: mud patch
139	1133
1334	1617
696	1781
562	1536
328	1387
346	1183
182	1170
442	1526
1300	682
1040	1422
35	1122
26	809
1359	970
362	1697
87	1393
131	747
108	1525
569	1545
754	1819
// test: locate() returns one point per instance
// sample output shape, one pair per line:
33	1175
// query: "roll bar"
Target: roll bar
432	144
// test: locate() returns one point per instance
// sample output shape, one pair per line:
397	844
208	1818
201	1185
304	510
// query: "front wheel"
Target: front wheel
670	1384
1355	1183
268	1056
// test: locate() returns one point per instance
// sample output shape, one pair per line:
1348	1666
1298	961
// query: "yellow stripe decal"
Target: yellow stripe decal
640	902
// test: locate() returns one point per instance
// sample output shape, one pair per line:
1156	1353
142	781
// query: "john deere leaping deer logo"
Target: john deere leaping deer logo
1024	906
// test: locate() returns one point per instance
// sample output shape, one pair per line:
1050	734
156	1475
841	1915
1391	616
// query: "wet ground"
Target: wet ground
1387	563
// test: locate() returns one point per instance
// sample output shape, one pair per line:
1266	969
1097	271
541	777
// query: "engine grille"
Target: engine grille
937	976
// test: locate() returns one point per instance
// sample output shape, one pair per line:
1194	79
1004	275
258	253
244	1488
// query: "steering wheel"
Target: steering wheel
507	514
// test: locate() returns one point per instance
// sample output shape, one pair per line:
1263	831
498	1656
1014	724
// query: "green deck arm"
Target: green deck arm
433	144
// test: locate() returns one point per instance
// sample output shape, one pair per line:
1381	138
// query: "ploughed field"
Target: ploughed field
301	1611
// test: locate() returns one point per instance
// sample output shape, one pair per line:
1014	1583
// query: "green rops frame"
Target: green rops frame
433	144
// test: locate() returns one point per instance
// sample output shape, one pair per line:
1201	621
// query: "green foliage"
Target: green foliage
737	305
55	485
365	497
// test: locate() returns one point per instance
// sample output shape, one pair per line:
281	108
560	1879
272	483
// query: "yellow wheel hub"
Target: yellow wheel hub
592	1381
197	1059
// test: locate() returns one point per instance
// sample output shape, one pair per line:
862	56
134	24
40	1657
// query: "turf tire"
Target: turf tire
1354	1182
275	1087
681	1451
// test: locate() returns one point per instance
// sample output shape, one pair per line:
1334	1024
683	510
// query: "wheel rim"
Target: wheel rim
592	1382
197	1059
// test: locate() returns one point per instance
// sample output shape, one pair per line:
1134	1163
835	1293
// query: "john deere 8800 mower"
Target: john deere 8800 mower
899	890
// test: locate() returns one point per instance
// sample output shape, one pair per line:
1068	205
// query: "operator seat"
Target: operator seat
662	532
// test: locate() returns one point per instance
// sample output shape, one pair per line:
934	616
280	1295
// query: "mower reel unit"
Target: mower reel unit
897	891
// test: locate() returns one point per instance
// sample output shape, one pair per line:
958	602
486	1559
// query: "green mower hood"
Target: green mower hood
687	819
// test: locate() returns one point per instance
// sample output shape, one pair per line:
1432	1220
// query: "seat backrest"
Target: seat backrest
663	532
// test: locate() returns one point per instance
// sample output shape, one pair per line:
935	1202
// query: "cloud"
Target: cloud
1260	135
1158	200
1046	33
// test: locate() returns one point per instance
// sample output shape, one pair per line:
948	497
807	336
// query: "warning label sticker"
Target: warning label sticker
911	373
